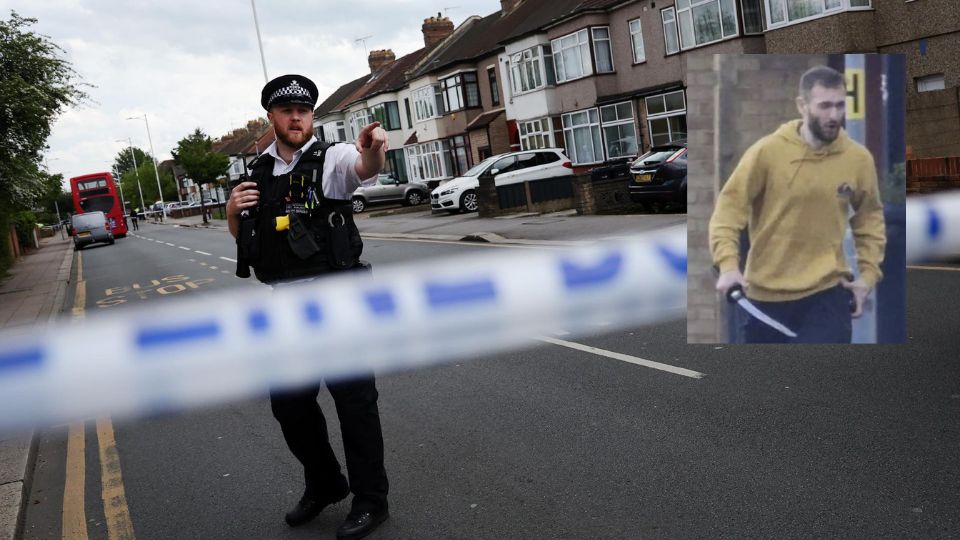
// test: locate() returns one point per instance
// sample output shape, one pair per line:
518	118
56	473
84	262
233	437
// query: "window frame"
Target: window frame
595	50
666	114
633	41
424	100
530	63
676	30
571	142
932	78
493	82
678	11
743	19
543	132
844	6
631	121
556	49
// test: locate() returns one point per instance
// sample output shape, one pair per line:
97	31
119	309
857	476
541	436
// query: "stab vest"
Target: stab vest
320	234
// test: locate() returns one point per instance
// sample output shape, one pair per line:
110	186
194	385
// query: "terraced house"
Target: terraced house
606	79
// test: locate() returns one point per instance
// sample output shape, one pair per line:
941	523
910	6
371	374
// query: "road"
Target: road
548	442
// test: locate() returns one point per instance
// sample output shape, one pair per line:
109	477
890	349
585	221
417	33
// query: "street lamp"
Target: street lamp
256	24
133	154
156	167
56	205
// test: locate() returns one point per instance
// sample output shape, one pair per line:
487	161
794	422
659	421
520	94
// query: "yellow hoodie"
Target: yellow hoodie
794	202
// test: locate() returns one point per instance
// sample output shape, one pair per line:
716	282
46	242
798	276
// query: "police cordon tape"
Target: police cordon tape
228	345
933	227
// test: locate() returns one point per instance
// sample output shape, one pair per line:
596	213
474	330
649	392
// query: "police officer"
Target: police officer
293	221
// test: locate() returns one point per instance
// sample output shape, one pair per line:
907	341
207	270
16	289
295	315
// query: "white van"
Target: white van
460	194
89	228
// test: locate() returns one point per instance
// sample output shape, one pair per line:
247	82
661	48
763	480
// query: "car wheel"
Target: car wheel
111	241
469	202
414	198
358	205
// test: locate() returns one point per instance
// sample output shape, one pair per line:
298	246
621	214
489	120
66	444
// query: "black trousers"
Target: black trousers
823	317
305	430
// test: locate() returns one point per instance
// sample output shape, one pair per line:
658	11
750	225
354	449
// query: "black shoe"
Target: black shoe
309	508
359	524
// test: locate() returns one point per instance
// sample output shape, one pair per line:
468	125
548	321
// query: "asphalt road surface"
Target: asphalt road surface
548	442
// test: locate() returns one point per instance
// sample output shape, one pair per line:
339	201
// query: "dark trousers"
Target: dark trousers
305	430
823	317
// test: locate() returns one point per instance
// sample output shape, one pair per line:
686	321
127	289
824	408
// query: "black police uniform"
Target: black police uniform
321	238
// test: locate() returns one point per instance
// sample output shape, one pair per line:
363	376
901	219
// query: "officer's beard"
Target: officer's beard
294	139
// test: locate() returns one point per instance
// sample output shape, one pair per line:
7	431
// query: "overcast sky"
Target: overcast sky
189	64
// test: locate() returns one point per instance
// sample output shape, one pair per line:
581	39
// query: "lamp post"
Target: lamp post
133	154
156	167
56	205
256	25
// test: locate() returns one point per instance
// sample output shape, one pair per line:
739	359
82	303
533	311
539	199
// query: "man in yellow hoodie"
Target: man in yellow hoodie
795	191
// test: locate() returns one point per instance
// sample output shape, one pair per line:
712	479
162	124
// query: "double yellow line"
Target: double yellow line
119	525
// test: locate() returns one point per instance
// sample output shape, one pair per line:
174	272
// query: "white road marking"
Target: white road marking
201	252
935	268
184	247
213	267
229	260
624	357
169	244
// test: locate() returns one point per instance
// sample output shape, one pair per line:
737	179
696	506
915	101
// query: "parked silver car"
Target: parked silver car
89	228
389	189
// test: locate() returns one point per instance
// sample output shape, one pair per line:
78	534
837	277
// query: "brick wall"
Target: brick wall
732	101
933	123
603	196
932	174
478	139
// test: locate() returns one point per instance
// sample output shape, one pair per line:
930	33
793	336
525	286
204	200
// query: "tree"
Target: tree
204	166
148	181
125	160
36	86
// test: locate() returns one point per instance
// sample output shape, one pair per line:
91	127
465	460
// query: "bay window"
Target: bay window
700	22
782	12
459	92
619	132
424	103
581	130
526	70
388	114
671	40
571	56
666	117
537	133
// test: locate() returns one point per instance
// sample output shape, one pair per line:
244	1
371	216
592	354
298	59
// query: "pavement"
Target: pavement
32	293
35	290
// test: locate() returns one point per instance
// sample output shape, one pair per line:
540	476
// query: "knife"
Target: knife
735	295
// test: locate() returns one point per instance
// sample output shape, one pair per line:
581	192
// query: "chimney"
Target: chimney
378	59
435	30
506	6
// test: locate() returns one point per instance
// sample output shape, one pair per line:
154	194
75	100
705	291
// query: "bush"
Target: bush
25	222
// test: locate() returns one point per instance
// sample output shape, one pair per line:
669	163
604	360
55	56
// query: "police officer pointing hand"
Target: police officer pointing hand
293	222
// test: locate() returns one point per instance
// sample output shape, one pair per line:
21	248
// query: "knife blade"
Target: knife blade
735	295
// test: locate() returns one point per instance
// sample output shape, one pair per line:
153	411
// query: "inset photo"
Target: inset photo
796	199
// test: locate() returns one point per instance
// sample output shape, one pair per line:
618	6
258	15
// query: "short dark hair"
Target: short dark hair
822	75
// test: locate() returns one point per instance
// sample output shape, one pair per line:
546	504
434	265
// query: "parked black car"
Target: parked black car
659	177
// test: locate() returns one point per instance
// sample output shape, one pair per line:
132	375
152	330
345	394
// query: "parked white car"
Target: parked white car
460	194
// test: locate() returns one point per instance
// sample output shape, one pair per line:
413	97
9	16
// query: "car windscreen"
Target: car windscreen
88	221
657	155
478	168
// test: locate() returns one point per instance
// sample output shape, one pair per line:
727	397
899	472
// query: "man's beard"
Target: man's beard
825	134
304	134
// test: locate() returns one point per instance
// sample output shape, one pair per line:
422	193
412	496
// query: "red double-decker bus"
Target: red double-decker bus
98	192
